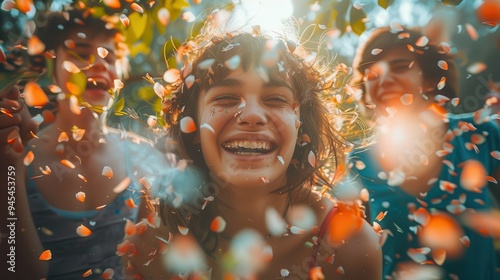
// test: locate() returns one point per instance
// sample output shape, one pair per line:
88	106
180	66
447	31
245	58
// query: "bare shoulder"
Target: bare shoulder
350	248
360	256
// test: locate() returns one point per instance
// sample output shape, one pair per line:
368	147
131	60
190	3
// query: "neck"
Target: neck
246	207
66	118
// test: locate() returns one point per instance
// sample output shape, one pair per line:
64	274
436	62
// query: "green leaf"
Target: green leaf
451	2
385	3
356	19
137	27
175	7
146	93
119	105
120	113
139	48
80	80
158	105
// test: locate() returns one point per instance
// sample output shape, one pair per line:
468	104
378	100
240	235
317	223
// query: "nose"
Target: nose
253	114
379	73
100	64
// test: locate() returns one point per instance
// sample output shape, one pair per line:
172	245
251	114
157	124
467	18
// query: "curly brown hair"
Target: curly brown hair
313	84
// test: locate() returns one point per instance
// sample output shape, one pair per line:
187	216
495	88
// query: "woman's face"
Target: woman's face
248	129
80	48
395	81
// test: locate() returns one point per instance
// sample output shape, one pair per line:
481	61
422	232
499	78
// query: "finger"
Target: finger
10	142
28	131
12	94
11	106
9	120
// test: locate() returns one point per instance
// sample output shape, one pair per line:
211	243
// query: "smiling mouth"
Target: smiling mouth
390	96
98	83
246	147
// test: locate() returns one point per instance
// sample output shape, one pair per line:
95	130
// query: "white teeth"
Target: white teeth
264	145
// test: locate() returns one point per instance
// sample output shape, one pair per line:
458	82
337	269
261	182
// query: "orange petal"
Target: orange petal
45	255
154	220
67	163
188	16
477	139
473	176
87	273
28	159
187	125
164	16
102	52
471	31
443	64
123	185
130	203
107	172
80	196
344	223
441	83
422	216
137	8
381	216
442	232
70	67
476	68
108	274
34	95
78	134
35	46
495	154
83	231
141	227
113	4
73	88
316	273
218	224
172	76
125	20
24	6
63	137
364	195
129	227
122	248
439	256
82	177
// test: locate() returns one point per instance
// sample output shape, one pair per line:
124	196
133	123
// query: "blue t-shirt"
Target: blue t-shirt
478	260
73	255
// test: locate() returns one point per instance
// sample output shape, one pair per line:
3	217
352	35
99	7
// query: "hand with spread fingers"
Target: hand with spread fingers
16	125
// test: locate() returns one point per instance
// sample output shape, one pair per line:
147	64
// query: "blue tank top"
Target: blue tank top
478	260
73	255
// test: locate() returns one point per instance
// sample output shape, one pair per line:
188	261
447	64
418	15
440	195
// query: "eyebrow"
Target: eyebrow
238	83
397	60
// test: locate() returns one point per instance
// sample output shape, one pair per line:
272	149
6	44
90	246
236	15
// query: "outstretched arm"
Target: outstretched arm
20	245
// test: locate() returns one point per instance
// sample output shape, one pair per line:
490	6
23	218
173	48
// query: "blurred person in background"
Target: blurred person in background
428	166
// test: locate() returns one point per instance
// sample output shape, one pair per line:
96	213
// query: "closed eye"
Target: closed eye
226	100
278	101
